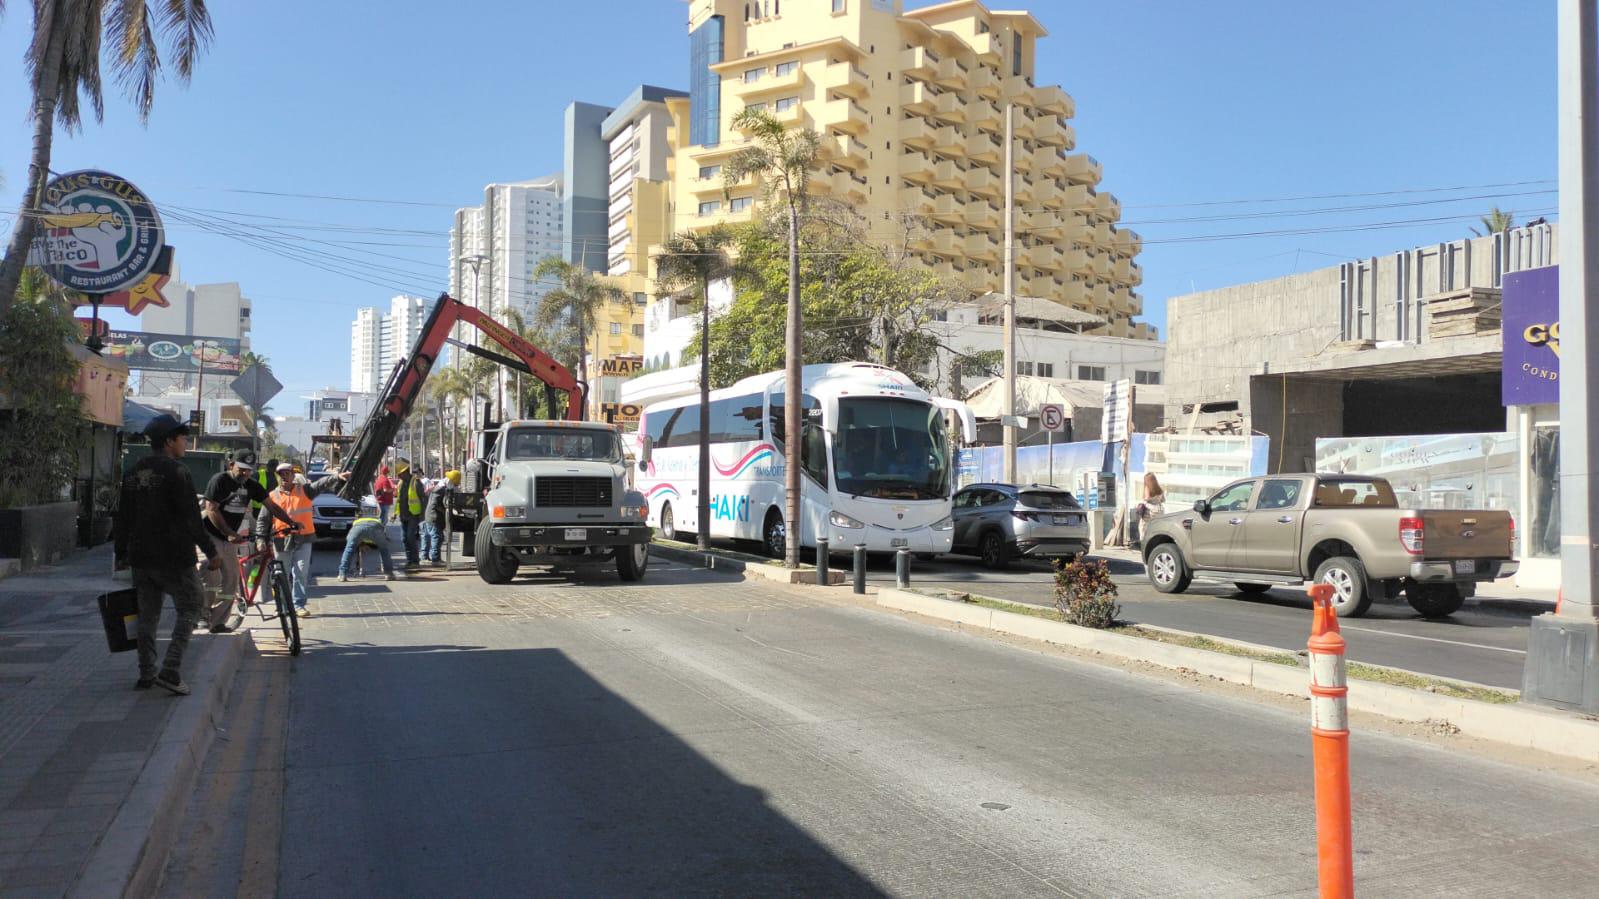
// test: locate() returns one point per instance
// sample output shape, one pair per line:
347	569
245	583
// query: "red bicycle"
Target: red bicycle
277	578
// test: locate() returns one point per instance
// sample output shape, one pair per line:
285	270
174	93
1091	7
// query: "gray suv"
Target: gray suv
999	522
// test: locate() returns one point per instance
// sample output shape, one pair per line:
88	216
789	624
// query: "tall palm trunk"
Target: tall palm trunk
791	395
44	114
703	539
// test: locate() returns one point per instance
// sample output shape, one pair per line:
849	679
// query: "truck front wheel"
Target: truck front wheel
1434	600
494	565
1351	594
632	560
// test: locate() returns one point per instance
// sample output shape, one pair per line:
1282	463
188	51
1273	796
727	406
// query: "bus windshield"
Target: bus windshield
586	444
891	448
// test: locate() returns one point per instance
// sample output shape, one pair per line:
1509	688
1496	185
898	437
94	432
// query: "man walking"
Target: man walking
433	521
228	498
156	531
409	497
368	530
293	495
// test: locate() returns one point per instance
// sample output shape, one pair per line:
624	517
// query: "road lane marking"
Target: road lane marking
1351	627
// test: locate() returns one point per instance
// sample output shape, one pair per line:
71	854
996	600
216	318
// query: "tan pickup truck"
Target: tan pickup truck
1345	530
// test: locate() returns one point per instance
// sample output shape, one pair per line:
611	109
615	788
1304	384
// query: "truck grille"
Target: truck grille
571	492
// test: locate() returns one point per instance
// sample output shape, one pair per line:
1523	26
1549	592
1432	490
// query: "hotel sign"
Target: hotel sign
1530	371
621	365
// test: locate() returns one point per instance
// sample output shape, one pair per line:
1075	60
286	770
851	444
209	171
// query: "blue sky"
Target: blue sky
1182	102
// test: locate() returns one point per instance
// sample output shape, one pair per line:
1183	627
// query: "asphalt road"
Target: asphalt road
1479	644
702	734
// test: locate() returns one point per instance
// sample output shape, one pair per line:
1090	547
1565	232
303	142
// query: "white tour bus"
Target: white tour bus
874	449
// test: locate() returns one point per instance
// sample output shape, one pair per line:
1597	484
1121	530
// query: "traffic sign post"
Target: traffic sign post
1052	418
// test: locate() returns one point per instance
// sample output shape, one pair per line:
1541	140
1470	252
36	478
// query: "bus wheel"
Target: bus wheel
774	536
668	523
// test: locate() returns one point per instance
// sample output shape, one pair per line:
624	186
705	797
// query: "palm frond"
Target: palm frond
135	57
187	26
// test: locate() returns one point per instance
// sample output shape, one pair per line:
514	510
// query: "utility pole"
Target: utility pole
1563	647
1010	293
477	303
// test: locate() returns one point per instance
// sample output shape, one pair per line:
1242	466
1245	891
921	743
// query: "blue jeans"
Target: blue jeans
432	542
410	533
369	532
298	563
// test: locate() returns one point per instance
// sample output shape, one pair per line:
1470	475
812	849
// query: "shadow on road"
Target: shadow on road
443	770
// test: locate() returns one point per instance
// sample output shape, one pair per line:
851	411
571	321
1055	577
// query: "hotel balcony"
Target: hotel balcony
768	84
950	107
918	98
984	147
1107	207
948	175
1100	265
984	181
843	114
1049	163
915	201
983	216
916	166
1082	168
948	208
988	47
950	73
1127	241
979	278
983	82
1042	223
1128	272
919	62
845	150
981	245
916	131
1054	101
1055	133
1078	198
946	242
949	141
844	78
1075	260
1104	235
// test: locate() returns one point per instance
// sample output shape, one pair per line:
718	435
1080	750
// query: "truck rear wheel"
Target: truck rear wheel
494	565
632	560
1434	600
1351	593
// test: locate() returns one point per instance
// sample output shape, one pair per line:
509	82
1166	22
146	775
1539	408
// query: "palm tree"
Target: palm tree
783	160
692	260
1495	221
574	305
63	63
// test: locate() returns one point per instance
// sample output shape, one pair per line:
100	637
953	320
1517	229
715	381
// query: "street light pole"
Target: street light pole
477	303
1562	669
1010	294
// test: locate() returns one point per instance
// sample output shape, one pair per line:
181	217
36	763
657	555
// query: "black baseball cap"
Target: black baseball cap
243	458
163	426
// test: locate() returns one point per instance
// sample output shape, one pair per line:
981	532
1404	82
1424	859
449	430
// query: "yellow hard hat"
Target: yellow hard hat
453	476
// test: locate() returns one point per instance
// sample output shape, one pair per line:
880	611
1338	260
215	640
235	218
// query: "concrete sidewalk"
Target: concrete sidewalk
1502	594
88	765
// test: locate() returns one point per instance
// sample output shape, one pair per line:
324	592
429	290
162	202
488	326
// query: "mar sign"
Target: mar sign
100	233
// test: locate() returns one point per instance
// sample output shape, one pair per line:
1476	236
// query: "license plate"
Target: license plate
577	533
1467	567
899	541
1066	519
340	525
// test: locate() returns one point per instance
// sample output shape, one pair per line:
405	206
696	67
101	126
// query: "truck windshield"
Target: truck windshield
891	448
533	444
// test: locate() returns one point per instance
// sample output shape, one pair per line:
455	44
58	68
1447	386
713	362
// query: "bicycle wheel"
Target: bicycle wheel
285	603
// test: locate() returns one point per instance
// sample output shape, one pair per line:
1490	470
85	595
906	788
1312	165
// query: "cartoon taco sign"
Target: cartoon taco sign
100	233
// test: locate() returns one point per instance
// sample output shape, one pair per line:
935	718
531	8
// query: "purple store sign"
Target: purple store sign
1531	314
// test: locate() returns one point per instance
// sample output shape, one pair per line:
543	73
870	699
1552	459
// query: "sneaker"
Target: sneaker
302	612
388	576
343	578
144	683
169	681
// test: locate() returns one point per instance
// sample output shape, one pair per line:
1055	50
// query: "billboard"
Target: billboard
1531	329
179	353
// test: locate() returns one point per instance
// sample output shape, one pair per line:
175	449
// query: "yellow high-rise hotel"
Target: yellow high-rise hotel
911	107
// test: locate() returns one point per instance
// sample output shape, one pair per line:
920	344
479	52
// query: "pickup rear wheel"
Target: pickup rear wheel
1351	595
1166	569
494	565
1434	600
632	560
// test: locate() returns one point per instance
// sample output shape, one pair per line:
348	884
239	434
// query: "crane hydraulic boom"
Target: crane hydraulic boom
405	383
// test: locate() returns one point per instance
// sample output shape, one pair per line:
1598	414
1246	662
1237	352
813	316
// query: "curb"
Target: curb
130	858
719	562
1523	726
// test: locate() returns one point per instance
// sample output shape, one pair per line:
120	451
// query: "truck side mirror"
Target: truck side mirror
646	448
1203	508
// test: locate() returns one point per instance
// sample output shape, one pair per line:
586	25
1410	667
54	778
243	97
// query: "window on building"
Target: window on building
787	103
710	207
638	330
785	68
755	106
1016	56
838	6
1146	377
640	298
1046	369
753	75
707	172
1090	372
1024	368
616	329
739	204
982	27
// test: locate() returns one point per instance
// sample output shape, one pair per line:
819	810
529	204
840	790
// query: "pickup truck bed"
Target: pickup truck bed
1348	531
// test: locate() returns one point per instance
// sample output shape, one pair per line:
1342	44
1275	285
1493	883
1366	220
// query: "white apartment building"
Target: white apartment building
378	341
495	247
199	310
638	139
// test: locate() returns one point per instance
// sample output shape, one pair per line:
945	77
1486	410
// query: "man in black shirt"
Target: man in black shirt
227	505
156	532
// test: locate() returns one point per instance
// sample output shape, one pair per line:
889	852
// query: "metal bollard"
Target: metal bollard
860	568
821	561
1329	729
902	569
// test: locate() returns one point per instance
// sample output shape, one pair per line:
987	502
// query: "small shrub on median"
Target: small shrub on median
1085	594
